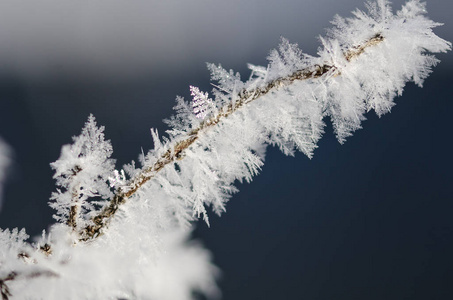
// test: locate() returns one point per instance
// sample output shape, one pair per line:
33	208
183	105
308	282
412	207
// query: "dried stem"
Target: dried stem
74	209
244	96
356	51
73	212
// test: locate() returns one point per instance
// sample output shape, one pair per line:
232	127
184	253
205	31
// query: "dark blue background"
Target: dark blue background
370	219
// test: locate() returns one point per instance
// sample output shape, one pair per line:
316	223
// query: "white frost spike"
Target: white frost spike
200	102
119	178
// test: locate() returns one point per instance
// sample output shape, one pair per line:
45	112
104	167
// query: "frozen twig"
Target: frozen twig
177	152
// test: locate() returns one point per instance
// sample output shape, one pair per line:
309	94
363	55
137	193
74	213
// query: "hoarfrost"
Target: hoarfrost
130	240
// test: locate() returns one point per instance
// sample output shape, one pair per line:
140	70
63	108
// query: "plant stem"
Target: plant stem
177	152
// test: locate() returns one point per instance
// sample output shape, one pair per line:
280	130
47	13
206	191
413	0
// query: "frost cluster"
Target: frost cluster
82	172
141	249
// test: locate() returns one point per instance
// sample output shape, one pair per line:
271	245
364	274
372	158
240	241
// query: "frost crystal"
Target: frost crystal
200	103
119	178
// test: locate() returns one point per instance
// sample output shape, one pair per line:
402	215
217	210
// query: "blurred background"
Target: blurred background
371	219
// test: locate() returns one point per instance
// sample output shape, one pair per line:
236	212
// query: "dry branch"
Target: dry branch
177	152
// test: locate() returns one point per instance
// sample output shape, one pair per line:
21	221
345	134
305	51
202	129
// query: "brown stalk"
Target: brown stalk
245	96
356	51
73	213
74	209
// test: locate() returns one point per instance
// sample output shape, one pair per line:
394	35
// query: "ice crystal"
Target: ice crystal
200	103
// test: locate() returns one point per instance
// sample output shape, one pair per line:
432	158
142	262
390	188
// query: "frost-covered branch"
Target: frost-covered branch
176	152
107	247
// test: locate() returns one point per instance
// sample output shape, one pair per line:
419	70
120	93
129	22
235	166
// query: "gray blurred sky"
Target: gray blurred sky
124	40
